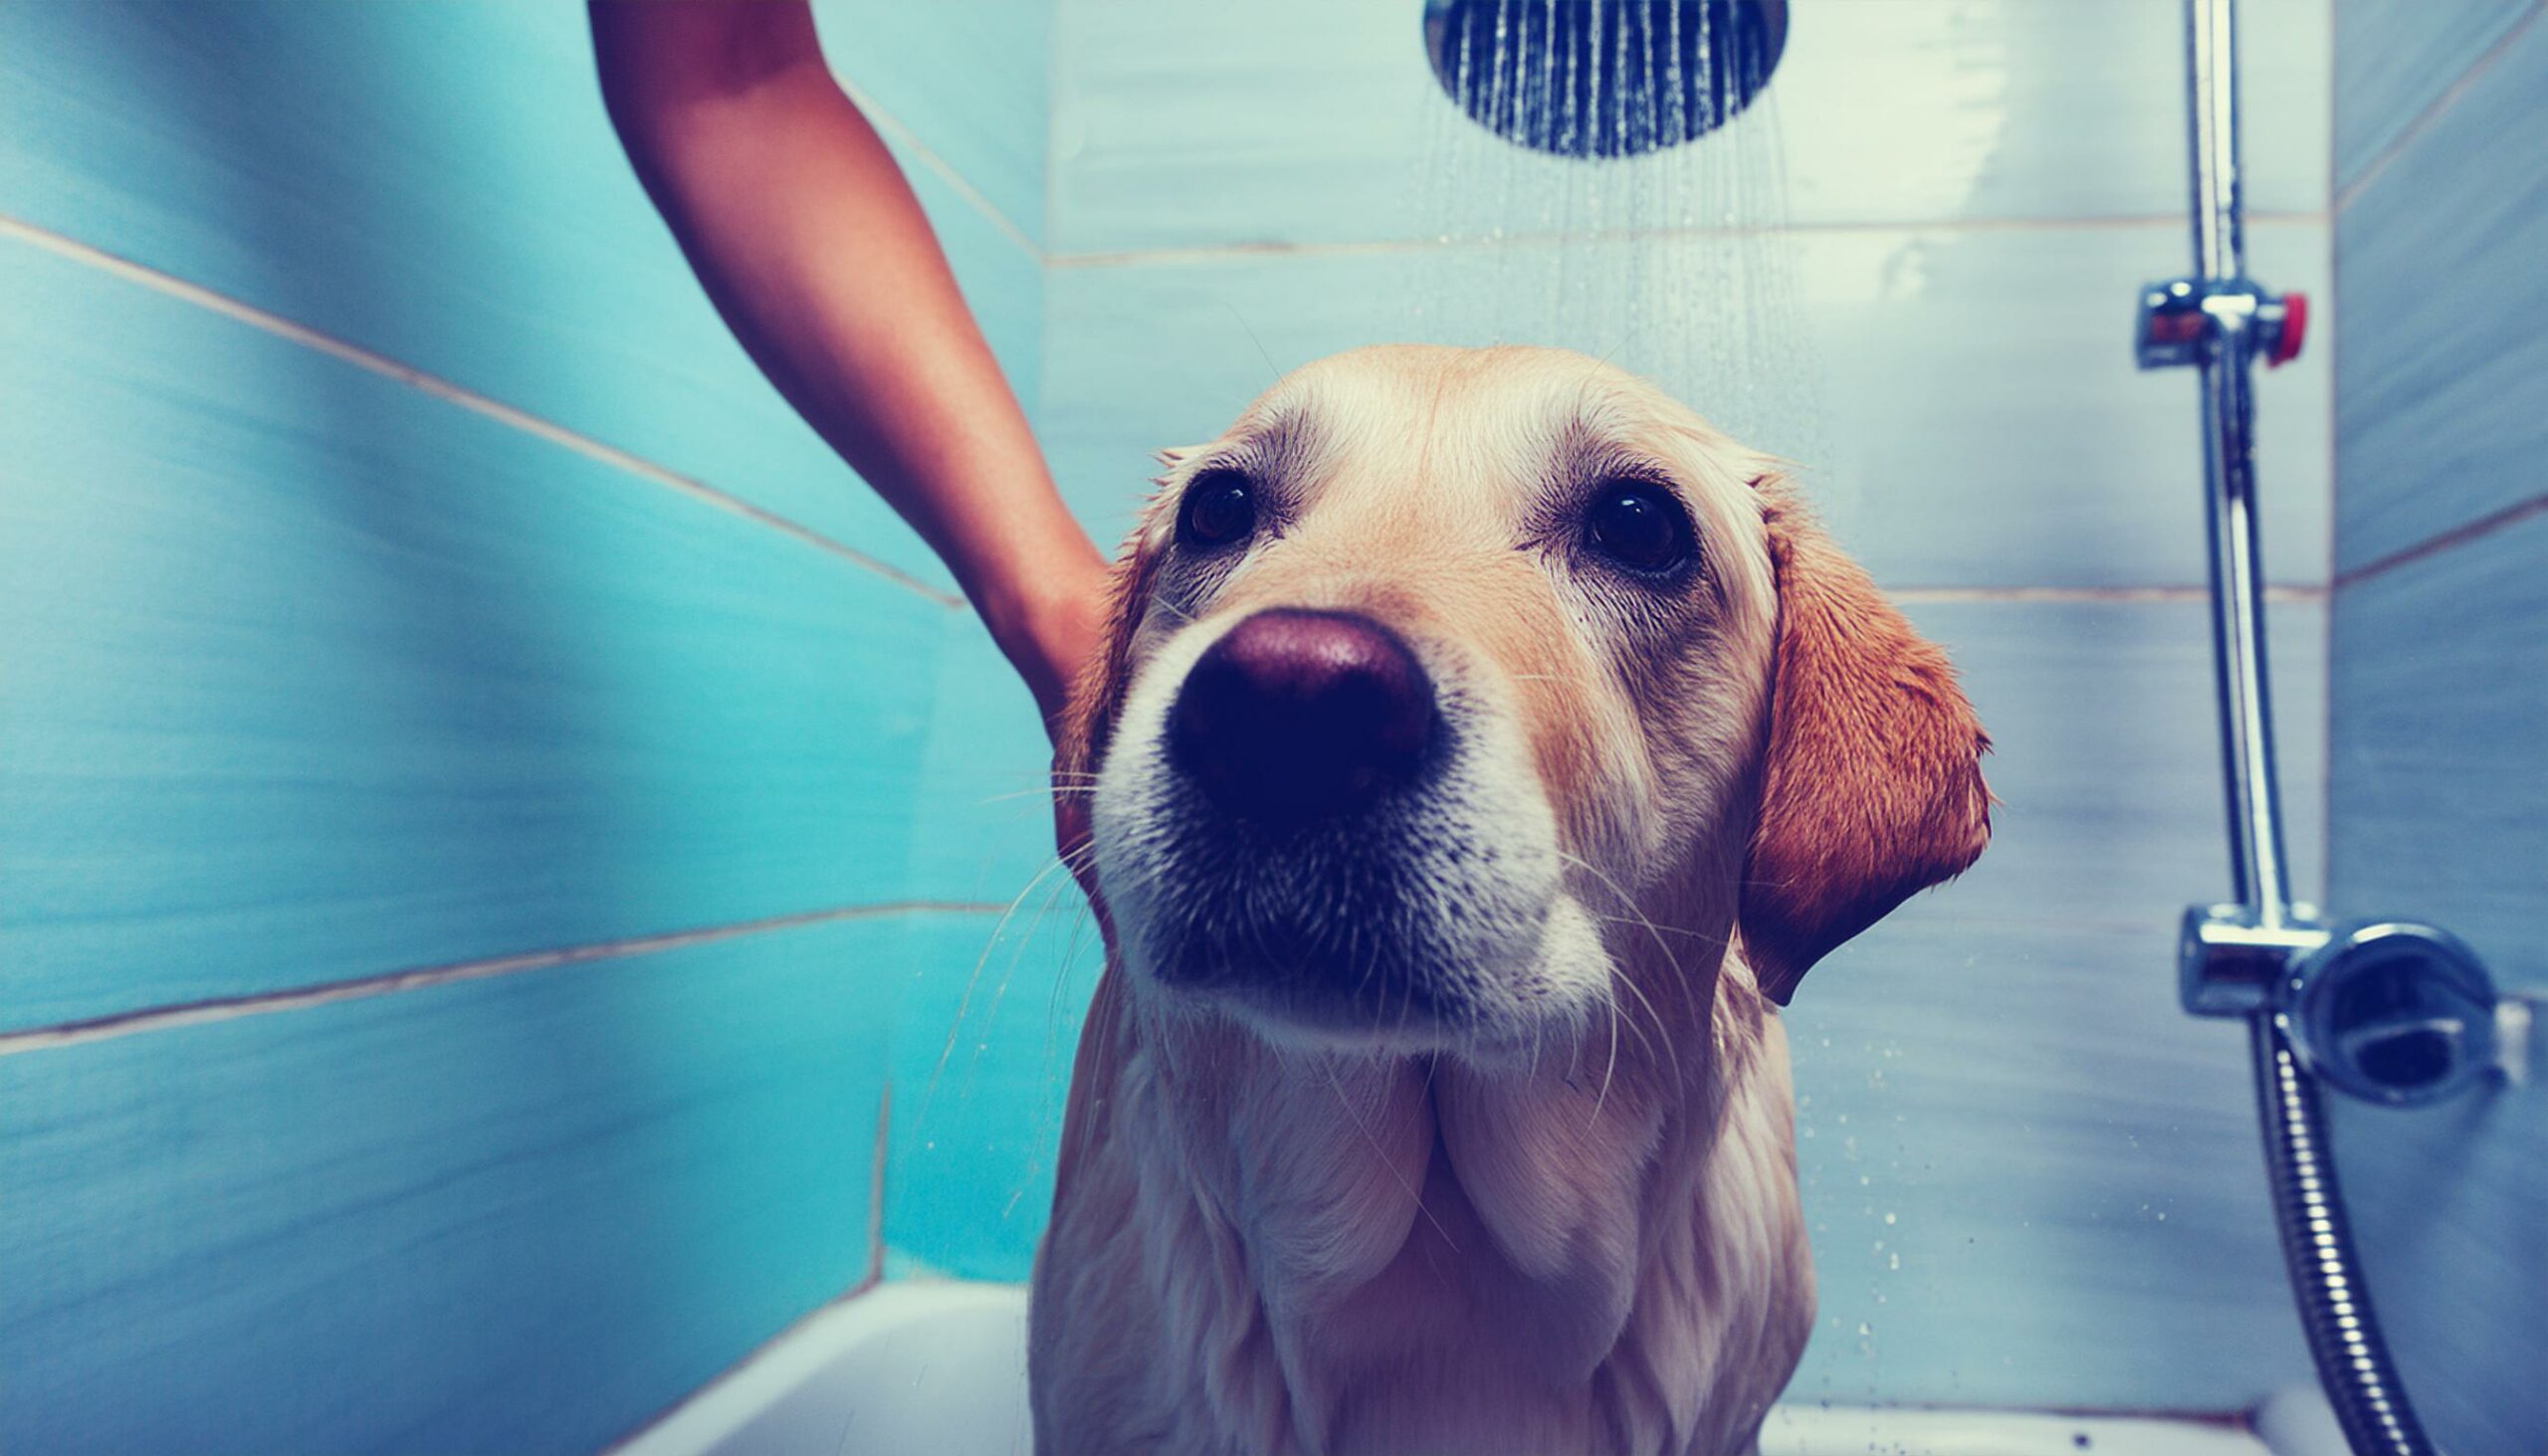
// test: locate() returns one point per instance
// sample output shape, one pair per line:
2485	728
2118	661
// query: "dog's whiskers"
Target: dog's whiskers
1049	791
965	1003
1611	1068
1639	918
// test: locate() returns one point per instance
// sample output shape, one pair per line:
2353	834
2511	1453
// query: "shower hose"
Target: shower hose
2353	1362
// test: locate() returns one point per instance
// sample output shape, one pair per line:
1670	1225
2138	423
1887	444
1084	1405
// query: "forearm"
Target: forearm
809	241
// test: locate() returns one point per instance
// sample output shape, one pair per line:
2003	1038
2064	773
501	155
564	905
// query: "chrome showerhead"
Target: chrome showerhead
1603	78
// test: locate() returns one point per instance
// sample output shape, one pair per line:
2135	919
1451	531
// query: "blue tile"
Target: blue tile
2396	58
967	79
1198	125
987	1023
313	676
987	1006
2439	746
520	1214
1965	398
438	184
986	831
2442	365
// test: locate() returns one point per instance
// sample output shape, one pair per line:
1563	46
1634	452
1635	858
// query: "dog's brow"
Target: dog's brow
1272	447
1585	451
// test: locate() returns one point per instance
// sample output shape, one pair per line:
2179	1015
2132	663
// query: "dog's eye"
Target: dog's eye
1638	526
1219	508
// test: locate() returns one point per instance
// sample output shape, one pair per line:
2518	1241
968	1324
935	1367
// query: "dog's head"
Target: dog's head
1446	680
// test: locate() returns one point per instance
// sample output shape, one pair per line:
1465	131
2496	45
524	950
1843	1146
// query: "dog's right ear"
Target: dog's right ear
1097	699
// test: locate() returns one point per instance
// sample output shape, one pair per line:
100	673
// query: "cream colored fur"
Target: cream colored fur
1570	1224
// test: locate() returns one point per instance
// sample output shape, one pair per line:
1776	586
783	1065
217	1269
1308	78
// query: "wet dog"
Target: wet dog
1482	744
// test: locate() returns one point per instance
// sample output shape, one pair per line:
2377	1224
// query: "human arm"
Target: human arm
809	241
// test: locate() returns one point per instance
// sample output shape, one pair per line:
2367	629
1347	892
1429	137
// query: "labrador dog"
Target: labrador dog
1482	744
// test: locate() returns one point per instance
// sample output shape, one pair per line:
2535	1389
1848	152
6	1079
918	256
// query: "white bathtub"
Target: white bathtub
939	1369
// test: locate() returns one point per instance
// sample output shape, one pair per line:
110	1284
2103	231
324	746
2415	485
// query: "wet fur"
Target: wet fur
1261	1247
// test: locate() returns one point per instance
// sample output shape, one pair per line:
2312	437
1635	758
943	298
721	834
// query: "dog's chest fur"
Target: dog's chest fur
1401	1259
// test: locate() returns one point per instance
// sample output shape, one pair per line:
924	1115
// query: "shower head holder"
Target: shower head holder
2394	1012
2183	320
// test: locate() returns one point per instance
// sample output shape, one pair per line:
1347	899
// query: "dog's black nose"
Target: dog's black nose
1294	715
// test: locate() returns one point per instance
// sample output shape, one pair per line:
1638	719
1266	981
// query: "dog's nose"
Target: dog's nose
1294	715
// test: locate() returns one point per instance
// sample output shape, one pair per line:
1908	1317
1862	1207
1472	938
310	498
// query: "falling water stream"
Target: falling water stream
1671	261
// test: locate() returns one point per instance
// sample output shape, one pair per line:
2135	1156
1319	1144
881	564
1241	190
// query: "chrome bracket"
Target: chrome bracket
2185	320
2229	964
2394	1012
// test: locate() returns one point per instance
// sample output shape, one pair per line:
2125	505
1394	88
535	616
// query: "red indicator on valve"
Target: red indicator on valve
2295	330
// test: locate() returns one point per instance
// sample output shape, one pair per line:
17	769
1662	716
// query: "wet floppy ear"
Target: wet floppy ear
1097	699
1872	787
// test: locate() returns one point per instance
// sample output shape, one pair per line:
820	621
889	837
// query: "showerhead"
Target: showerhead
1603	78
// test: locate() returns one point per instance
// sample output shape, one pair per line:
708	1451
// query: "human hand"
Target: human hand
1049	623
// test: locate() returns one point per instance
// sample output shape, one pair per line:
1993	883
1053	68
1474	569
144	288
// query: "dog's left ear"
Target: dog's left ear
1873	788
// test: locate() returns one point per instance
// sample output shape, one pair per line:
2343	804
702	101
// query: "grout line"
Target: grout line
2424	120
891	125
2117	594
295	998
443	389
1377	246
876	1194
2482	526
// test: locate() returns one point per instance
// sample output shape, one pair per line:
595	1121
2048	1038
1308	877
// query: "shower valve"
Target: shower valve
2183	317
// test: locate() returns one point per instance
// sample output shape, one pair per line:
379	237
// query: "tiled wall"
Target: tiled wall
461	745
2033	1181
2439	782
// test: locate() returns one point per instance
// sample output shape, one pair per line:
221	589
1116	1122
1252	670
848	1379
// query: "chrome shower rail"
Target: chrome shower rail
2391	1011
2234	310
